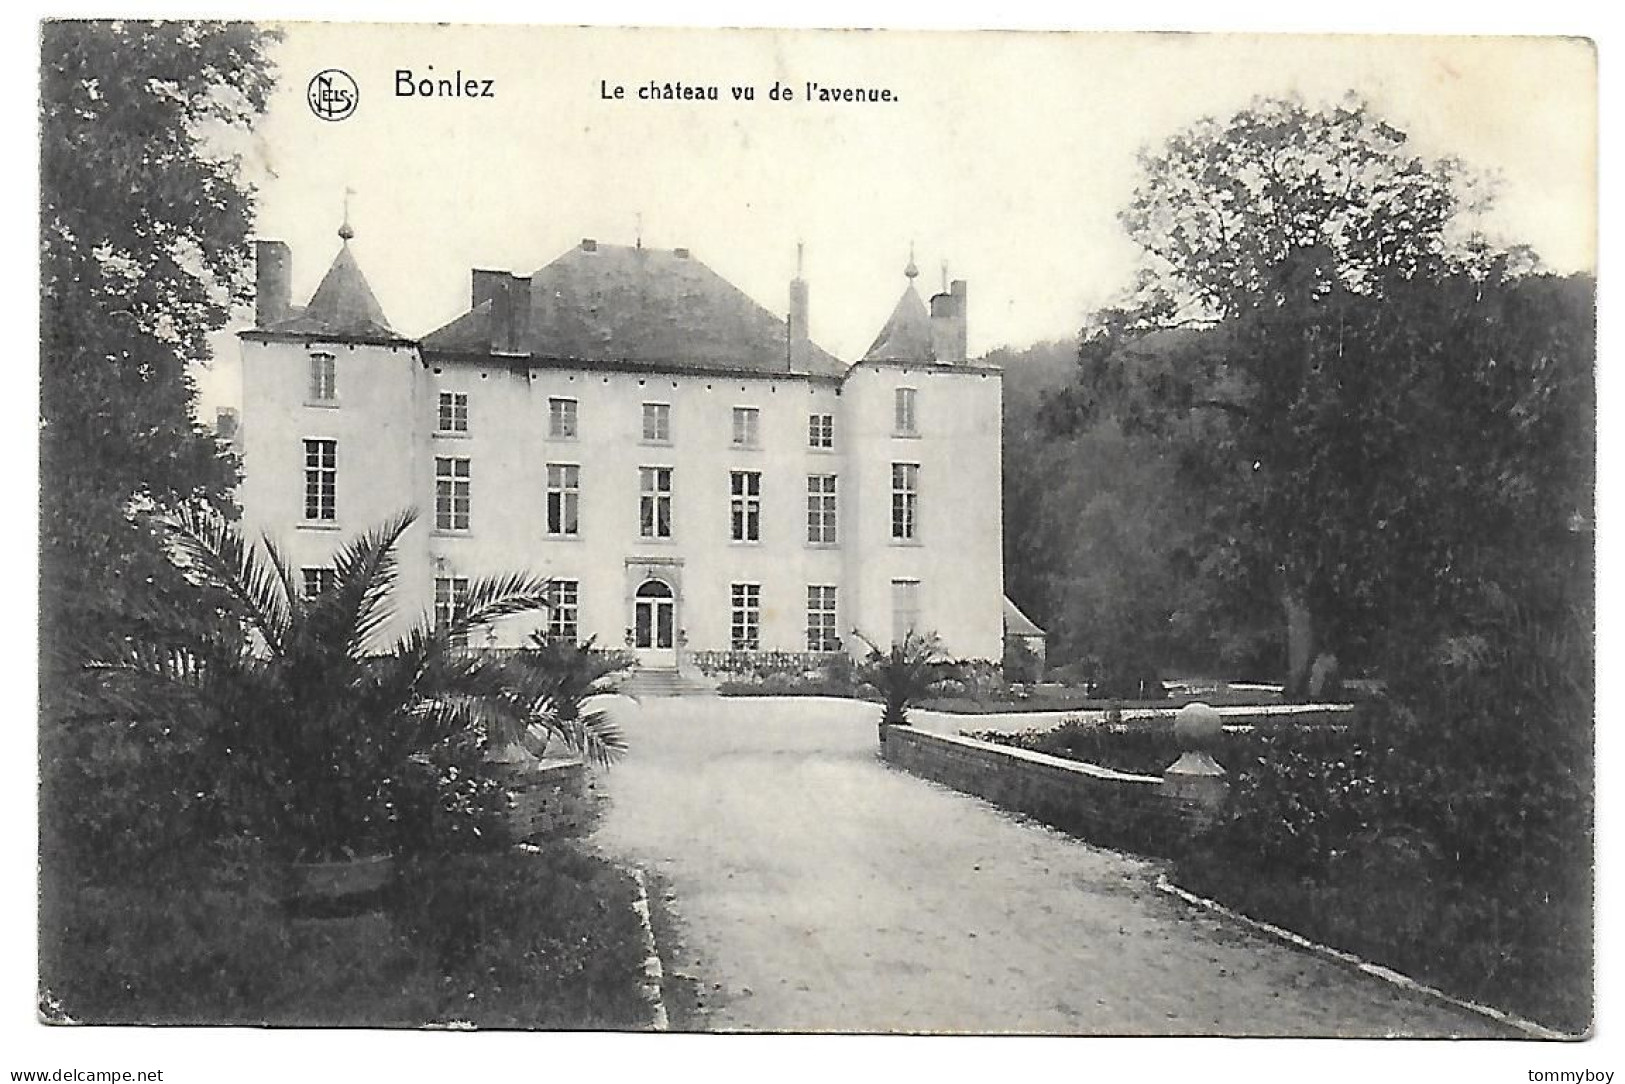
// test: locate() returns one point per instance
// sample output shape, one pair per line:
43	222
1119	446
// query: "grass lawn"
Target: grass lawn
1527	949
505	940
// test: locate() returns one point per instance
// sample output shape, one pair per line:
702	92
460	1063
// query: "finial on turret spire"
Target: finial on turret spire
346	231
911	272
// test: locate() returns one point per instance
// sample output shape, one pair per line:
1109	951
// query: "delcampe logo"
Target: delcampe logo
332	94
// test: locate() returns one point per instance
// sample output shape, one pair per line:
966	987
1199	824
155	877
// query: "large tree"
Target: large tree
1304	271
143	223
144	217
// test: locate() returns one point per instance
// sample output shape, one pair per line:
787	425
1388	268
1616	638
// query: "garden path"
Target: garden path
815	889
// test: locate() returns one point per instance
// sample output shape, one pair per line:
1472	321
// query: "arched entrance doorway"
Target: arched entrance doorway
654	624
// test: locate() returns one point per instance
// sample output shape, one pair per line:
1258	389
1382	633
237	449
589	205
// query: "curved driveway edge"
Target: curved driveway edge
818	890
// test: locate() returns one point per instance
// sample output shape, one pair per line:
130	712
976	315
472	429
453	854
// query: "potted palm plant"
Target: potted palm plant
337	743
563	675
559	676
903	674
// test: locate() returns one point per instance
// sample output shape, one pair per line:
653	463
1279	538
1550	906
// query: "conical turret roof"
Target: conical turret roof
343	306
907	334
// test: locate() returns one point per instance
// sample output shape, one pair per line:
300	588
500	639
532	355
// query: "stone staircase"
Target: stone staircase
645	683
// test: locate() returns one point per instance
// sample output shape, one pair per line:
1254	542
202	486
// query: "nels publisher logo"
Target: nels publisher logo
332	94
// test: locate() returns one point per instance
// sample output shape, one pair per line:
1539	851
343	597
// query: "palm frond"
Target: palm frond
491	598
593	736
291	590
215	550
364	575
445	716
145	680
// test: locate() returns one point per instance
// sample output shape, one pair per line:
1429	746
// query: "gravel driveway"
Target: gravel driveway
812	888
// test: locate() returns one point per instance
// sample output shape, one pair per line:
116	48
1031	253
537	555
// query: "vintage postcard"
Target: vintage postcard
817	531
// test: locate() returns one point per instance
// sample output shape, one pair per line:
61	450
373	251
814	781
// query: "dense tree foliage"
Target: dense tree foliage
1385	428
1314	316
1103	539
143	223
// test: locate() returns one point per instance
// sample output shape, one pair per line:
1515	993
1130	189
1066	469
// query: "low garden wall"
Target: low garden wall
1148	814
551	799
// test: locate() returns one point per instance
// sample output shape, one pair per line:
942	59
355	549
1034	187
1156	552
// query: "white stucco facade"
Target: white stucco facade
920	547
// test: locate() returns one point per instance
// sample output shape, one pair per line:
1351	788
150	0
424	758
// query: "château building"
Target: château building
693	472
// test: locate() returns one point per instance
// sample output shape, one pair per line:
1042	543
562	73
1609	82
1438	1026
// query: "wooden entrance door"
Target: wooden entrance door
654	625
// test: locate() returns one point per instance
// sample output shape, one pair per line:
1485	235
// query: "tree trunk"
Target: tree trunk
1300	647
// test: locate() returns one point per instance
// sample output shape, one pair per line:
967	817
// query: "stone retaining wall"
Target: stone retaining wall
551	799
1111	808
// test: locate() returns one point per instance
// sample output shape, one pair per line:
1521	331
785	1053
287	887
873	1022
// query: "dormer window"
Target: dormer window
323	378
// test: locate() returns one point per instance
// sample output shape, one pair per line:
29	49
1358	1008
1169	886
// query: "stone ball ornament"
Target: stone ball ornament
1197	725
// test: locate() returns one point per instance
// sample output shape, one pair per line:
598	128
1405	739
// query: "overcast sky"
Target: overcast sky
1008	155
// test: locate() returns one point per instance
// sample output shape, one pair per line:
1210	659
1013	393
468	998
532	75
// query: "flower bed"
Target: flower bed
1148	745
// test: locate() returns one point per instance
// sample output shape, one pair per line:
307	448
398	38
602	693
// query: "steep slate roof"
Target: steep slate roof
1017	623
342	306
470	333
907	334
649	307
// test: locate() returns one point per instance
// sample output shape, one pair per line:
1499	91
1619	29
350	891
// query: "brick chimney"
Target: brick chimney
796	321
484	285
962	315
948	336
509	296
273	282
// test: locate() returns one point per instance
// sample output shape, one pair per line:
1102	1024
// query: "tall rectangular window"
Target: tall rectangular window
563	500
452	484
821	627
747	426
821	509
323	378
745	489
563	616
908	424
453	412
820	430
905	501
746	626
316	581
561	419
905	608
321	479
657	422
451	604
654	502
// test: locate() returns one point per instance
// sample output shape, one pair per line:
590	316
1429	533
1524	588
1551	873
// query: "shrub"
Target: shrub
841	673
981	679
1021	663
1296	806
